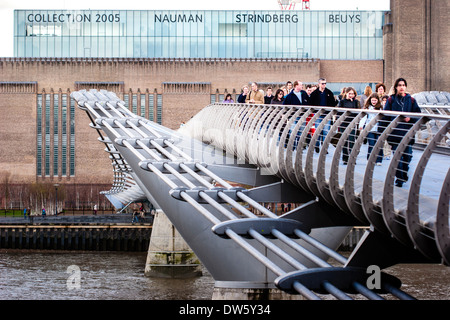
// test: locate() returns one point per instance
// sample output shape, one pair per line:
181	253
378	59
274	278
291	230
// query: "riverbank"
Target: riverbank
115	232
112	237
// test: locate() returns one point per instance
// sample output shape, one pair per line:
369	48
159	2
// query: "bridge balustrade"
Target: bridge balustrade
284	140
319	155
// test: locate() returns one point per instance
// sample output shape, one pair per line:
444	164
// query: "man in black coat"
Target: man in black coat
322	97
297	96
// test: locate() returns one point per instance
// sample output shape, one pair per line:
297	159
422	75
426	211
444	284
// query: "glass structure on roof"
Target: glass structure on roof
340	35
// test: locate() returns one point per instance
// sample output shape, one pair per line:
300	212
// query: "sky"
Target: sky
7	8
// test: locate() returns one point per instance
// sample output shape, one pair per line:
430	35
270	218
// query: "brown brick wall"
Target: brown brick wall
92	163
352	71
18	136
186	87
416	45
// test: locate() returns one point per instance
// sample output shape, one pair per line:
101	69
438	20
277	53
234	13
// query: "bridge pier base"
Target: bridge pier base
230	290
169	256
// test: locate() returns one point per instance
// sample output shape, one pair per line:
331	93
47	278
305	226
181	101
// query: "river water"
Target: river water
47	275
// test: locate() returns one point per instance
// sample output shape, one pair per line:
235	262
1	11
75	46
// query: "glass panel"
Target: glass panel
123	47
144	47
186	47
194	48
208	53
349	50
129	44
336	46
80	49
136	47
179	48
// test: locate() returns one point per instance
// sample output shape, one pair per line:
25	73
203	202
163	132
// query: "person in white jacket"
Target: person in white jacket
372	103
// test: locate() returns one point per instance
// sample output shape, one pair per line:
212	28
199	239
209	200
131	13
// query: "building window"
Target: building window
47	135
64	135
142	105
55	134
55	155
126	99
151	107
134	104
159	109
72	137
39	136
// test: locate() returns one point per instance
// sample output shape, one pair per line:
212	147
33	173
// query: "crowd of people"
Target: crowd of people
295	93
397	99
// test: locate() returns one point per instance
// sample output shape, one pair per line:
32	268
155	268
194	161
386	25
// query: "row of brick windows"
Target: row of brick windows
56	141
55	135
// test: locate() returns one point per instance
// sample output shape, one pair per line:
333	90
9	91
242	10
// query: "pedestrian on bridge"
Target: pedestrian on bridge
255	96
349	102
323	97
278	98
401	101
228	99
372	103
243	95
297	96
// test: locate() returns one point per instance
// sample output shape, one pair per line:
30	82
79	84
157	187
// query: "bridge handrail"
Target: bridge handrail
386	214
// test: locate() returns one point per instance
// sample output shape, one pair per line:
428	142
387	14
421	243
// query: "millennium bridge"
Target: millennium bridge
215	177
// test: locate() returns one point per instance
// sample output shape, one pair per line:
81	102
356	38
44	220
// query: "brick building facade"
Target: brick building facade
46	138
166	90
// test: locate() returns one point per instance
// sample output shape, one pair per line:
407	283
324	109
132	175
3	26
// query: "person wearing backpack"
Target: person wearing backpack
404	102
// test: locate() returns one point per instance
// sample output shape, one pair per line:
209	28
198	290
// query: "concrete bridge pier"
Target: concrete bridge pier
169	256
231	290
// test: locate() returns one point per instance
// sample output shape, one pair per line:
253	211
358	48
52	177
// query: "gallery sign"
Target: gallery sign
190	17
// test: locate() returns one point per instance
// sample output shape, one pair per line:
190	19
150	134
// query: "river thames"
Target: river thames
45	275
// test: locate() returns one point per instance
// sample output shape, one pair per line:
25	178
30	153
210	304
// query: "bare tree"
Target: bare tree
5	180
